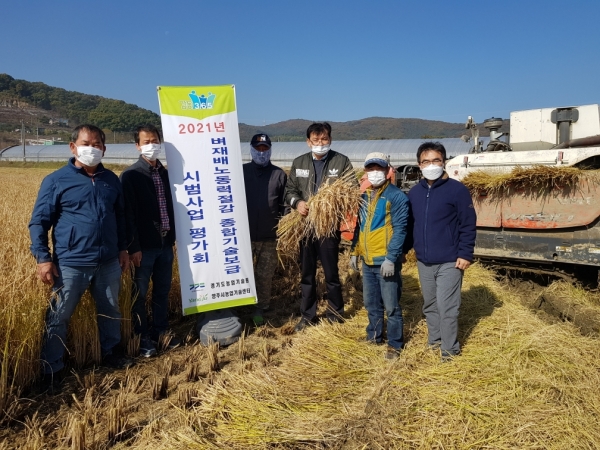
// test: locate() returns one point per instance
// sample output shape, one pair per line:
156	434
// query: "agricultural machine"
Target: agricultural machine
556	227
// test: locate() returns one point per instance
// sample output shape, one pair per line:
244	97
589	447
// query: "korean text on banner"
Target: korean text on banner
204	159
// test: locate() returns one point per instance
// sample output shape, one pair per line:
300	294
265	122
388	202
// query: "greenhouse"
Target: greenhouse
401	151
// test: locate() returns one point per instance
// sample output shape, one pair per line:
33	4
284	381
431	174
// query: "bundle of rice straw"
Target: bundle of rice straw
535	179
327	209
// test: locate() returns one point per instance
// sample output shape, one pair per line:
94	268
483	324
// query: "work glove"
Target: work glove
354	263
387	268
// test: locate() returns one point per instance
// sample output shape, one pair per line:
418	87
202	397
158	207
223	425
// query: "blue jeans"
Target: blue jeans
380	293
158	265
104	282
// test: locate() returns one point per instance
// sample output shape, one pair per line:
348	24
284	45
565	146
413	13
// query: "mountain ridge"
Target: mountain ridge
58	110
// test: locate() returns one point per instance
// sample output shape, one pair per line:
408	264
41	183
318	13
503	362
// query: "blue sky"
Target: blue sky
316	60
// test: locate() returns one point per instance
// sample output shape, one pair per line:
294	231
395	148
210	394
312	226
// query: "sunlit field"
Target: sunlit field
521	382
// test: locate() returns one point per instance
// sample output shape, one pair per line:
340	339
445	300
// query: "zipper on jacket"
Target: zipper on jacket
425	228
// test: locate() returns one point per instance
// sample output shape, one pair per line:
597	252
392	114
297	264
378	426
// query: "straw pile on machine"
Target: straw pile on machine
536	180
328	208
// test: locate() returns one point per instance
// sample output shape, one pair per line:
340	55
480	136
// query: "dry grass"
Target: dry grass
23	299
327	209
536	179
519	383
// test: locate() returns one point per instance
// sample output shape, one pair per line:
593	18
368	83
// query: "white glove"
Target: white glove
354	263
387	268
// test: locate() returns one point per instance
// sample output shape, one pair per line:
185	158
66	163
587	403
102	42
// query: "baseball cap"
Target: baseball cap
260	139
378	158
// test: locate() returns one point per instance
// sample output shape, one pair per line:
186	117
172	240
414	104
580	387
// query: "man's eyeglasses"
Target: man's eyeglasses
427	162
320	141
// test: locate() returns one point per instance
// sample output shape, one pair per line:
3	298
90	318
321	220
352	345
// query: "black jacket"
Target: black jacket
265	187
300	184
141	207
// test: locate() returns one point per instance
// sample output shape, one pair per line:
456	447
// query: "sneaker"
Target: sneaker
447	356
302	324
258	320
336	319
117	361
50	384
174	342
370	341
168	341
392	353
147	348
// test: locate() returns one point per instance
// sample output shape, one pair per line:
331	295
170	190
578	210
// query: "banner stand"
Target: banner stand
204	158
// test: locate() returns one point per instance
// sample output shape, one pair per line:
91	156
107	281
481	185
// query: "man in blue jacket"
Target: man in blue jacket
82	204
379	240
444	234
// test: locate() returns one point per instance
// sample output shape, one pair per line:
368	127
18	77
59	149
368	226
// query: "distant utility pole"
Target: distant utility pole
23	138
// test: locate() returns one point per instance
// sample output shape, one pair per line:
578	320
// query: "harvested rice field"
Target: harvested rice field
526	378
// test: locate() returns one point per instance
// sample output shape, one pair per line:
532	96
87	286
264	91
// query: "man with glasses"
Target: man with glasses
444	239
310	171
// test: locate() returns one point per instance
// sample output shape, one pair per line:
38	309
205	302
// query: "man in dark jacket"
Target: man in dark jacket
309	172
82	203
265	185
151	230
444	234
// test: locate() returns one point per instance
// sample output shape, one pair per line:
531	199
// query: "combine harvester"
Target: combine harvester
548	218
552	222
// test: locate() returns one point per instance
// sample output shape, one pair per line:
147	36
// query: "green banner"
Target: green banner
196	102
219	305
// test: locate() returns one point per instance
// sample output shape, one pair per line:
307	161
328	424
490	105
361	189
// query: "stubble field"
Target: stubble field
522	381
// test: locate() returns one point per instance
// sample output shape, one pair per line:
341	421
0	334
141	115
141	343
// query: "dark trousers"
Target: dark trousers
157	264
327	250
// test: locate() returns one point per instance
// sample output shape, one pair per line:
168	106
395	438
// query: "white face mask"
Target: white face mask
320	150
376	177
150	151
432	172
89	156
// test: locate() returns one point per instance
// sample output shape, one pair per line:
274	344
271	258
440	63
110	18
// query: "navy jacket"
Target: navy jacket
265	187
444	227
85	214
141	207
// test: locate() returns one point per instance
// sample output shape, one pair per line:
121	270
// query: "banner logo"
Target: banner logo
202	101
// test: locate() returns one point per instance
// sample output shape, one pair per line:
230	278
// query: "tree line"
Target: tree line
114	115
